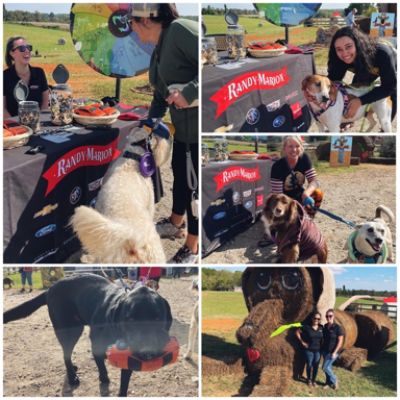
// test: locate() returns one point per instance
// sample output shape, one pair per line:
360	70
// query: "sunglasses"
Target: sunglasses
23	48
329	316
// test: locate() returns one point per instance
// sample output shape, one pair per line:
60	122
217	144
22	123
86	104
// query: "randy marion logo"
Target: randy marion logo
246	83
233	174
82	156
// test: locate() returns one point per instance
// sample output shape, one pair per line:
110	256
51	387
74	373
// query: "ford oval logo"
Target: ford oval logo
45	230
248	204
278	121
219	215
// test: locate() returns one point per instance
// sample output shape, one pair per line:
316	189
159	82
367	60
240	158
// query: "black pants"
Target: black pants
182	195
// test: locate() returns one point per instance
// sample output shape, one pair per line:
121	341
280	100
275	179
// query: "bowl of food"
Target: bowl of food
15	135
95	114
239	155
262	49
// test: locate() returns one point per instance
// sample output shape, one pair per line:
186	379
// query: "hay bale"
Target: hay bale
375	331
352	359
349	326
321	36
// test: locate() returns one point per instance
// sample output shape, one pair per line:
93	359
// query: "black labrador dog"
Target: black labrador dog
140	317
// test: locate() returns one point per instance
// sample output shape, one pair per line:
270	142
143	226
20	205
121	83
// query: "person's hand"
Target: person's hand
353	107
334	355
309	201
177	99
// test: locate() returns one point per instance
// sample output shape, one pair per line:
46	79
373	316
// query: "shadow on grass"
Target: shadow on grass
383	370
218	349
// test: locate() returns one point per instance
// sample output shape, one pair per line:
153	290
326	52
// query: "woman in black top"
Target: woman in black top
18	55
352	50
310	337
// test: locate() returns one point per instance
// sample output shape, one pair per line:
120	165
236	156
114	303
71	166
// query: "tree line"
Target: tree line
212	279
36	16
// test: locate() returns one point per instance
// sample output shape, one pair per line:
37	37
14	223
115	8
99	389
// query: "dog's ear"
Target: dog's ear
304	83
292	211
333	92
269	201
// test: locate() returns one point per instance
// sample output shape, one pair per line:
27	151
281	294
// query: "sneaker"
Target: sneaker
314	384
30	290
22	290
335	386
326	386
184	256
165	228
309	383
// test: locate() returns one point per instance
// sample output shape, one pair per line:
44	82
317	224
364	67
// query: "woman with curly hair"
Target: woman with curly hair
352	50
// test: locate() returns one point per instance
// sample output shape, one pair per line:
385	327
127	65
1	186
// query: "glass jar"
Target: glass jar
29	114
221	149
61	104
235	42
209	54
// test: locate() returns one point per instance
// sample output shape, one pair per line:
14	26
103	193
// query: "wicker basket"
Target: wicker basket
239	157
266	53
11	142
103	120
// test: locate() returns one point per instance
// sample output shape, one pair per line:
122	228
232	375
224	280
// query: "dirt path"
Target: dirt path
33	363
353	196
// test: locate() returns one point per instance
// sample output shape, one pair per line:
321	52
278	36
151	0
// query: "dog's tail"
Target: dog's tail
25	309
384	210
98	234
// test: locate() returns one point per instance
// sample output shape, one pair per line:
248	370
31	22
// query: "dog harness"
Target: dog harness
357	257
346	100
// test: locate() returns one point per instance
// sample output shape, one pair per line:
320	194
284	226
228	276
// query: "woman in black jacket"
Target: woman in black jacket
369	59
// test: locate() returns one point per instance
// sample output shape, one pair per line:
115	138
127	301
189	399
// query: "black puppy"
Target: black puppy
141	318
8	281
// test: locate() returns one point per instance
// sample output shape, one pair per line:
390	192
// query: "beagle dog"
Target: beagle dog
328	102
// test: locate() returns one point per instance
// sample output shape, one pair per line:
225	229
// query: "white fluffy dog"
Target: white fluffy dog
371	242
121	228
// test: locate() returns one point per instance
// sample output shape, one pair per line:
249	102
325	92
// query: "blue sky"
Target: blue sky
64	8
377	278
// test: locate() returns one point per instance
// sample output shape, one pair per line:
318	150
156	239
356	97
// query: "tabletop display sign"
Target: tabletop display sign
382	24
340	151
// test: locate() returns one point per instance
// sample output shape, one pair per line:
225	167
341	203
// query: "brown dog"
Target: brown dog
296	235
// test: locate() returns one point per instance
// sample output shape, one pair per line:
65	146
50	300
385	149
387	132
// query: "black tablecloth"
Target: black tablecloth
42	190
263	95
233	193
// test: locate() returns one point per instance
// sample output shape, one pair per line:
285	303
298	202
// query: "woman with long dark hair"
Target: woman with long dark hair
173	74
18	56
310	336
369	59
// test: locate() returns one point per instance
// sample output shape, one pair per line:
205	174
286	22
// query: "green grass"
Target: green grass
216	25
36	280
45	41
341	299
223	305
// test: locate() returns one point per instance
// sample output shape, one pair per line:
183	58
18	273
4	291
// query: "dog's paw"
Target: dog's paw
74	380
188	355
75	367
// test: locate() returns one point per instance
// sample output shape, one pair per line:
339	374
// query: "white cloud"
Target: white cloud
338	270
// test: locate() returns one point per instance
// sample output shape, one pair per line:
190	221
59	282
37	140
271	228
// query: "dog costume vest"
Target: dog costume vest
304	233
